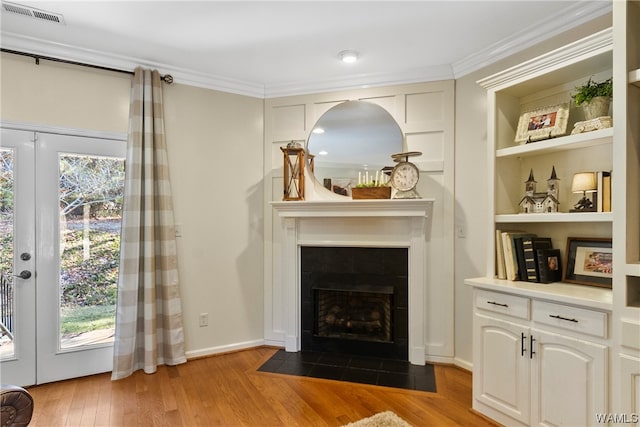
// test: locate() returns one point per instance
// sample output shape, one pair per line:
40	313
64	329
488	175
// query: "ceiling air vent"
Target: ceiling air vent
31	12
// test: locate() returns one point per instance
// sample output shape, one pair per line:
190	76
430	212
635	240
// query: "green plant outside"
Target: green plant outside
88	287
76	320
591	89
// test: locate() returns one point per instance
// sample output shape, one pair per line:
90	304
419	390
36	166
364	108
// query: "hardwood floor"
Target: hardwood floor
226	390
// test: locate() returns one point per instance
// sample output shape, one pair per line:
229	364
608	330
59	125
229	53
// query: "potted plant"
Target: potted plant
594	97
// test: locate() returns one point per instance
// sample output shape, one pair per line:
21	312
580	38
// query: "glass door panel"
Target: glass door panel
79	188
91	193
7	179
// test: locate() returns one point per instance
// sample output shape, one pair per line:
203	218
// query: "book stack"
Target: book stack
602	196
526	257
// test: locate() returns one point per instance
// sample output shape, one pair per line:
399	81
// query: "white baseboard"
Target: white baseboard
192	354
464	364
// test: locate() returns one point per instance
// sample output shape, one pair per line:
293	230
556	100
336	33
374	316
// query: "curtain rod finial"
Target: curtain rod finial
168	79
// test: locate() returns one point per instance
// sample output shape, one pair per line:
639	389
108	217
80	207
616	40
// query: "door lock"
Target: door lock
25	256
24	274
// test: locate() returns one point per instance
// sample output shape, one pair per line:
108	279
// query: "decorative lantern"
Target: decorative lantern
293	173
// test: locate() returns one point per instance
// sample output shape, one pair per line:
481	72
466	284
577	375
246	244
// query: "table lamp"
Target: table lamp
584	182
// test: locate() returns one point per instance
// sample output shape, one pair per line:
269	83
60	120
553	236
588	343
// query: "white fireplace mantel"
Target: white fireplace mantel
355	208
375	222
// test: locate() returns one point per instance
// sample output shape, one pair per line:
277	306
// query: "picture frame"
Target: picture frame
549	264
589	261
542	123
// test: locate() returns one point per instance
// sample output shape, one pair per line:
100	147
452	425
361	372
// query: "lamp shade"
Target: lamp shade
584	182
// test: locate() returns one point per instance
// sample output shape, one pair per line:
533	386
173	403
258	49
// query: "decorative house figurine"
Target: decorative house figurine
534	202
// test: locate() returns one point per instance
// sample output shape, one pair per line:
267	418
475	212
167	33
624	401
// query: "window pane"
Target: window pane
91	194
6	253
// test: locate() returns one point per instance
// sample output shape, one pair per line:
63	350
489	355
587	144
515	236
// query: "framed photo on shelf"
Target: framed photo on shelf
589	261
542	123
549	265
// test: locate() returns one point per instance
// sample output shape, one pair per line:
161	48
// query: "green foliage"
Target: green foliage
93	281
591	89
77	320
6	247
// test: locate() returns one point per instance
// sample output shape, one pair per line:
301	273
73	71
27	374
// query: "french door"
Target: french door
60	210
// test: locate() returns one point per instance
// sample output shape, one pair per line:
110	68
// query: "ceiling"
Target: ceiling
273	48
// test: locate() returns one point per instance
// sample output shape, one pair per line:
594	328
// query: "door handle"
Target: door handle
24	274
531	352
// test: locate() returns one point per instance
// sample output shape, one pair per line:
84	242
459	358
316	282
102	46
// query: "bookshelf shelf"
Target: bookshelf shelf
634	77
554	217
564	143
633	269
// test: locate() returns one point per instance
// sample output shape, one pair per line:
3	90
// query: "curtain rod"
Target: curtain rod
167	78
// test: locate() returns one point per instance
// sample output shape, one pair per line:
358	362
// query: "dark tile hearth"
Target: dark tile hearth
356	369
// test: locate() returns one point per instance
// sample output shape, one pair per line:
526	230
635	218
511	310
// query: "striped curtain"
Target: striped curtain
149	312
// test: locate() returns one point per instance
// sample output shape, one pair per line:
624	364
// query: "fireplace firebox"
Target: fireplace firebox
354	300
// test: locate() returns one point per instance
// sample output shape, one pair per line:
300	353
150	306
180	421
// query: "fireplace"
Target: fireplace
401	224
354	300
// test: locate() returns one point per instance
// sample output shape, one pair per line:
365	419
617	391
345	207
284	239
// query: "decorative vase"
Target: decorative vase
597	107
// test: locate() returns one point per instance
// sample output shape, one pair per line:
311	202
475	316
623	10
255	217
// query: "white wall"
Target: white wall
471	179
214	142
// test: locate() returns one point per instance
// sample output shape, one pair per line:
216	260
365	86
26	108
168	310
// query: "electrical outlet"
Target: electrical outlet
203	320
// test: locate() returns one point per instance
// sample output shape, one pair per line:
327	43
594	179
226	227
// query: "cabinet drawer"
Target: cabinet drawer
581	320
510	305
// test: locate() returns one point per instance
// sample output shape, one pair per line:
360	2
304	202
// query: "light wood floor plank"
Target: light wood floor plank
227	390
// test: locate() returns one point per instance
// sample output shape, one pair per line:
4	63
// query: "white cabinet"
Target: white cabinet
568	380
538	362
501	375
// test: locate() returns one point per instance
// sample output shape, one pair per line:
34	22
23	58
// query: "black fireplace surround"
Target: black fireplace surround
354	300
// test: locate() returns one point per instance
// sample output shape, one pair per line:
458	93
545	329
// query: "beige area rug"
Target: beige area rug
383	419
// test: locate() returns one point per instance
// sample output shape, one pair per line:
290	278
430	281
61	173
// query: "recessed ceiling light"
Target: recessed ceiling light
318	130
323	153
348	56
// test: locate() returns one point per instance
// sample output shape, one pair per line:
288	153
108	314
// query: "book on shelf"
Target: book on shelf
510	253
549	265
602	196
538	243
526	247
500	269
606	192
518	246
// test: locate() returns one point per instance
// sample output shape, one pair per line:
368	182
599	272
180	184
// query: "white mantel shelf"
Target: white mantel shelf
355	208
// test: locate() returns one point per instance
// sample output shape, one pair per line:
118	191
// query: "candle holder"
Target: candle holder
293	172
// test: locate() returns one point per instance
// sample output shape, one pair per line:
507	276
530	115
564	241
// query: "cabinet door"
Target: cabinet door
568	381
630	383
501	367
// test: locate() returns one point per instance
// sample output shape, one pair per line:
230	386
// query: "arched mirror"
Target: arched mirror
350	140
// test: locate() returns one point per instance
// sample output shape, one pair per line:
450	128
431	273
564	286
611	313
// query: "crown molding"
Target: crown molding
594	44
105	59
572	17
435	73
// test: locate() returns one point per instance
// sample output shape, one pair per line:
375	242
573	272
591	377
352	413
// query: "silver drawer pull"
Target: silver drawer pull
497	303
555	316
